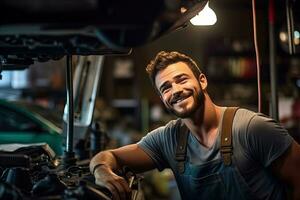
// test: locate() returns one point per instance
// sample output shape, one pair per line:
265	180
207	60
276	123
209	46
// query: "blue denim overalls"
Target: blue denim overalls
221	179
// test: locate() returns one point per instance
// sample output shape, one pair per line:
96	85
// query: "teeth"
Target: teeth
175	101
179	100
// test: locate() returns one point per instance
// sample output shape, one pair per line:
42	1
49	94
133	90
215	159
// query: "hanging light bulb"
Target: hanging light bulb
205	17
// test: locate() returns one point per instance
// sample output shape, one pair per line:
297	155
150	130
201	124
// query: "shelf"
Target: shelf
233	54
231	80
234	67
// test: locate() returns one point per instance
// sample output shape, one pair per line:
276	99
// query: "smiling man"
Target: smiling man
180	96
215	152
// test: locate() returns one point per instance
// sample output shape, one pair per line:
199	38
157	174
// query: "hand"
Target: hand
117	185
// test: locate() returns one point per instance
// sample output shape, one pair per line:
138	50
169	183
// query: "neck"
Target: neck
204	123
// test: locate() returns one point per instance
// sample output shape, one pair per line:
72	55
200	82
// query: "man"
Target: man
264	163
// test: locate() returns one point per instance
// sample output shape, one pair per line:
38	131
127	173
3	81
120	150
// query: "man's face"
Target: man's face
180	90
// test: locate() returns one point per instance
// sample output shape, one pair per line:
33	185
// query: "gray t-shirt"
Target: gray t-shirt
257	142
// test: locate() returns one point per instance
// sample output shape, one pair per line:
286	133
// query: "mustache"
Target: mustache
179	97
199	101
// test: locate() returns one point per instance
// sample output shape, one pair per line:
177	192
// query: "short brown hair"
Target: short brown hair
164	59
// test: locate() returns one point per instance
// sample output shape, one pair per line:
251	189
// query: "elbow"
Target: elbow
103	157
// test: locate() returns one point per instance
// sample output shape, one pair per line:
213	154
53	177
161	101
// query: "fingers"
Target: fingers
124	187
117	186
114	191
117	191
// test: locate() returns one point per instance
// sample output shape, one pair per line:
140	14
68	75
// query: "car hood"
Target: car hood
43	29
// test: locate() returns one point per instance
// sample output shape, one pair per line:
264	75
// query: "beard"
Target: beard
198	102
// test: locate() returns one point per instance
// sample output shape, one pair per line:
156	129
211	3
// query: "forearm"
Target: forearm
131	155
106	158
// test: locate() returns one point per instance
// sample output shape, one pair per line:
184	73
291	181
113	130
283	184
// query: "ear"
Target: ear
203	81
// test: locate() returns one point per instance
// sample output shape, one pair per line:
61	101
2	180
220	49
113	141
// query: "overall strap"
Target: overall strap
226	135
182	136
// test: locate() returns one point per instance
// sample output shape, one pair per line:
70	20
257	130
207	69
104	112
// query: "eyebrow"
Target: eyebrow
175	77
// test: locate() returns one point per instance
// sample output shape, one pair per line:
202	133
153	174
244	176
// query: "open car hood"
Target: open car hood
43	29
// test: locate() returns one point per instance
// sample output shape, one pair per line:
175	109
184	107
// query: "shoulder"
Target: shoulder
166	129
263	130
240	126
250	125
256	124
163	133
241	123
243	118
160	144
260	136
249	122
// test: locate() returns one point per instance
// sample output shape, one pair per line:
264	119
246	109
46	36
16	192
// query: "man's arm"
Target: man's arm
287	167
109	162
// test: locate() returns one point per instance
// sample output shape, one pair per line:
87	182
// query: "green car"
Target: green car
25	123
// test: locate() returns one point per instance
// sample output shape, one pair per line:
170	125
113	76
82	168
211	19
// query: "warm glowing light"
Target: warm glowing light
283	36
183	10
205	17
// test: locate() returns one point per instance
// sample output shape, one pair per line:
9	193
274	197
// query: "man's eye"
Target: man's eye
183	80
164	89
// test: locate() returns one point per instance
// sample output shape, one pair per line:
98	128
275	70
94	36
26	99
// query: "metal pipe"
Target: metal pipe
70	126
272	57
290	26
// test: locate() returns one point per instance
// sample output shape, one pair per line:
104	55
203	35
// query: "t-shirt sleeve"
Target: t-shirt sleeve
267	139
153	145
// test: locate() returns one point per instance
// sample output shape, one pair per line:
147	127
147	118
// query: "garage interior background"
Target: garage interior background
225	51
127	103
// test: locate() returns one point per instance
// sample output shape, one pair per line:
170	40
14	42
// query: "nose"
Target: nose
176	89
